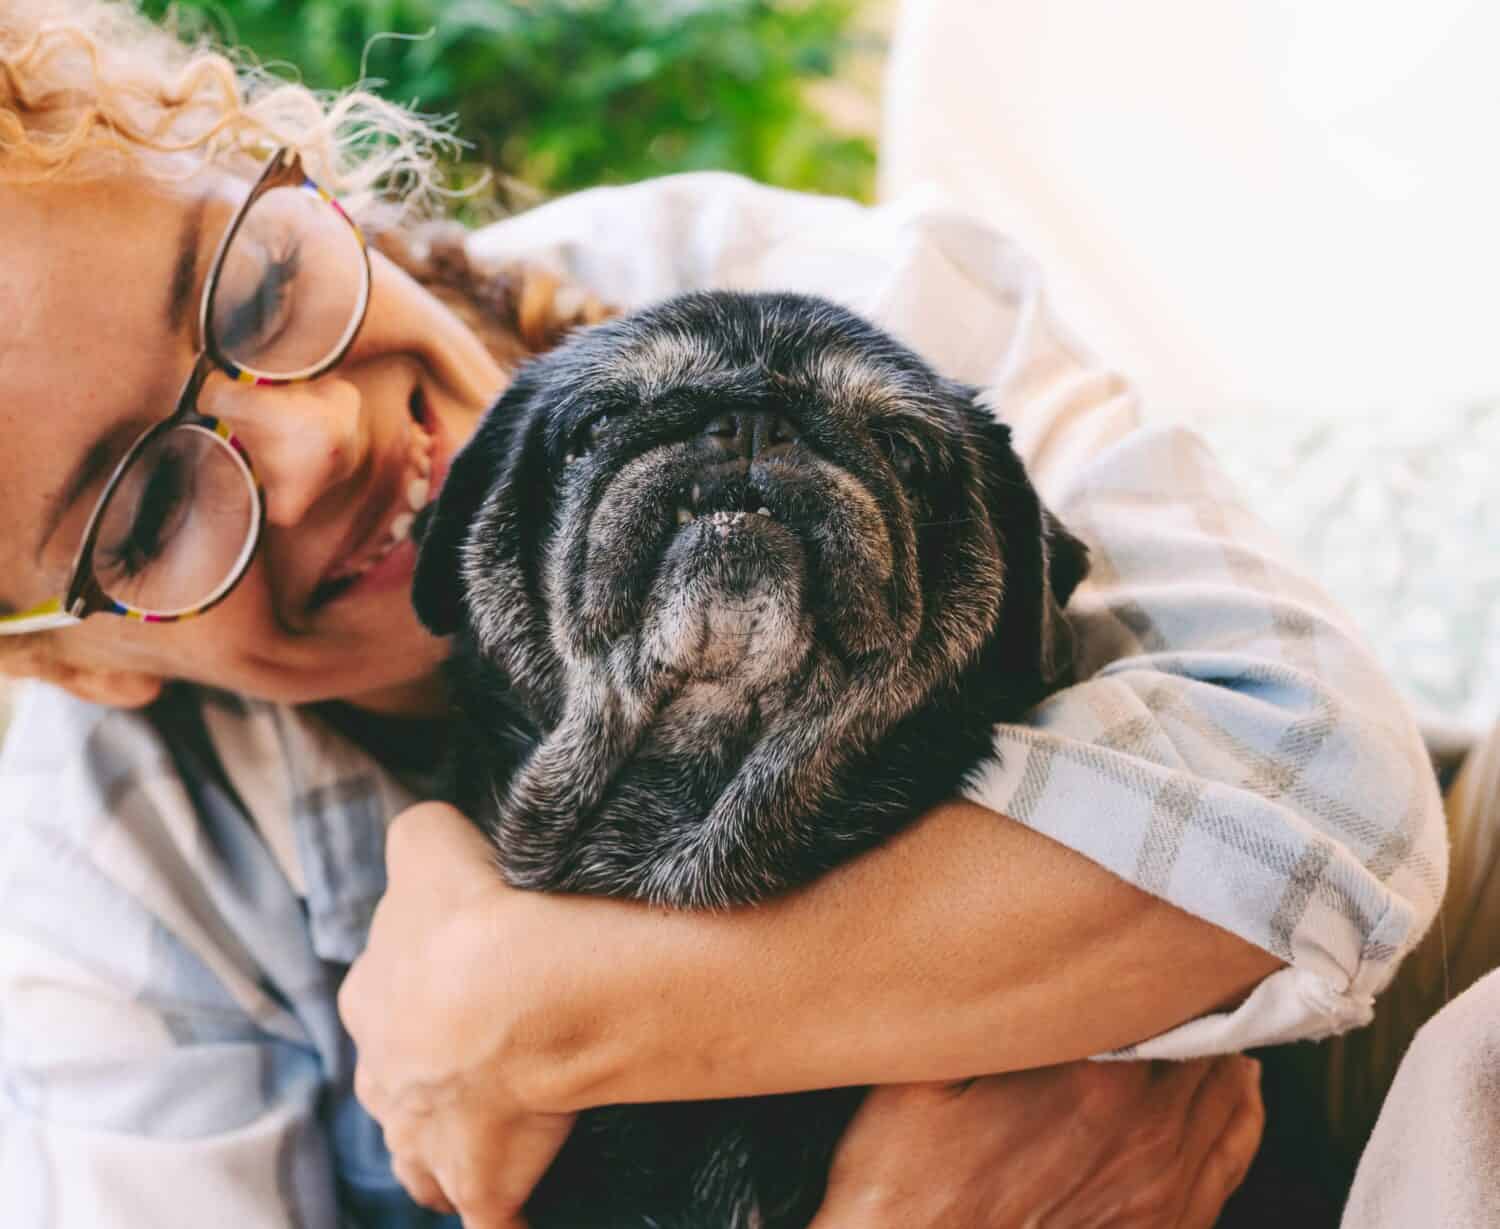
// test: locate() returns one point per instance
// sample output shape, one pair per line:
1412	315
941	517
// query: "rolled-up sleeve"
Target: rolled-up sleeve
1232	747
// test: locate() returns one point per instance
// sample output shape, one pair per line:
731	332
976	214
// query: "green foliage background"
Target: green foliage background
565	94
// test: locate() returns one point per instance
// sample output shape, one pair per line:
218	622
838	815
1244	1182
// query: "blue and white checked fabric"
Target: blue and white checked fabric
170	1050
179	897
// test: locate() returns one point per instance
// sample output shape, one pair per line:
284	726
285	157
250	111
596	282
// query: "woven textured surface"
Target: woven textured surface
1397	515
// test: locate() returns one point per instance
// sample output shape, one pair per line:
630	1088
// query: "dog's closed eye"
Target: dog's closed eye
586	437
903	454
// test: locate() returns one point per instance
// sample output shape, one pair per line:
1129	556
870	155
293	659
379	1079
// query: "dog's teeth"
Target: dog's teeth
763	512
416	493
684	517
401	527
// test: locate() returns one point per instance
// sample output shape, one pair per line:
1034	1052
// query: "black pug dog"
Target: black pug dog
740	586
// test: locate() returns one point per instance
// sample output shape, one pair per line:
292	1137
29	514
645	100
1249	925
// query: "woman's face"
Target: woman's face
98	336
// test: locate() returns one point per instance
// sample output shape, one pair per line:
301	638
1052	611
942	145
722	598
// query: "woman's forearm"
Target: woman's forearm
482	1014
966	945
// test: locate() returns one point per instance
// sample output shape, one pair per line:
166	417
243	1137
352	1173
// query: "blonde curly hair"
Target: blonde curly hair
93	87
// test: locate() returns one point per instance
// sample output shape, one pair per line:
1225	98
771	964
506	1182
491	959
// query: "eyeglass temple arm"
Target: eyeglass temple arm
38	619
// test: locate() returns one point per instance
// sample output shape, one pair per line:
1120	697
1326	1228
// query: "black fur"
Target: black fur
704	714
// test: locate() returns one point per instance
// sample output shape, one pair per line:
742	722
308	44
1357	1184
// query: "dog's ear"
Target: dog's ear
1044	563
1067	563
482	465
1067	557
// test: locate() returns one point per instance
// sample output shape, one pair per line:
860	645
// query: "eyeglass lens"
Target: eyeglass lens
291	286
180	524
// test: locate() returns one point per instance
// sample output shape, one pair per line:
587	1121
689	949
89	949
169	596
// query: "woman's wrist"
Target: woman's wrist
523	1002
622	1002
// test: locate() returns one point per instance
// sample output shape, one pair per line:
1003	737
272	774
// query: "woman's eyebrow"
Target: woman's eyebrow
185	272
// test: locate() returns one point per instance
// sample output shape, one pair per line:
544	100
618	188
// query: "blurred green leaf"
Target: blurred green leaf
570	93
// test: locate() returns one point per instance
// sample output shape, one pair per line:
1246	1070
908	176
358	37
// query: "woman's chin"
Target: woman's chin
426	697
369	649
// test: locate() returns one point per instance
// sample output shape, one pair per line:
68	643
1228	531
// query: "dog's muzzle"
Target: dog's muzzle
730	555
730	595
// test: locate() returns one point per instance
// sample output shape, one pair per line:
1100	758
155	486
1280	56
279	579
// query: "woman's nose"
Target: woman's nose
304	440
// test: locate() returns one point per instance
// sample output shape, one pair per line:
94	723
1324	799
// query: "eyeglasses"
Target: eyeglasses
177	524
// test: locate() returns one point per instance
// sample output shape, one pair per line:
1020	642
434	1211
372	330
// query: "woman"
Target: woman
1228	835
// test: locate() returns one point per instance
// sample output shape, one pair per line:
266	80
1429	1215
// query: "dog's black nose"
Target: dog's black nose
752	434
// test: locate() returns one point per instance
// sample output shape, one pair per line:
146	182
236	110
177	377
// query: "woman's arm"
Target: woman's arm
1233	749
966	945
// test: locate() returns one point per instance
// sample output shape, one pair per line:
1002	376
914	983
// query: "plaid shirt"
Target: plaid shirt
180	892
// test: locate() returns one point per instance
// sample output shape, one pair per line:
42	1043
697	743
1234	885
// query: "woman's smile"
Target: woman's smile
403	483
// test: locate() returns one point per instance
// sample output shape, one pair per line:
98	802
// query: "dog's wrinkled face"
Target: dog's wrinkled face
712	554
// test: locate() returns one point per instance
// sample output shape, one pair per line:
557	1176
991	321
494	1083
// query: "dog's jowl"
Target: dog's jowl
740	586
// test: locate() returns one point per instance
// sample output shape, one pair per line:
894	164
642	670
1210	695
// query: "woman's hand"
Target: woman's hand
1080	1146
437	1068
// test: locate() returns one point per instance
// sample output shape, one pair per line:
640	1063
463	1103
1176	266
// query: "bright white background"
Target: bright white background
1245	204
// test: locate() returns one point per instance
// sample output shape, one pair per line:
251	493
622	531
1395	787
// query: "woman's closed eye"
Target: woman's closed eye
164	495
256	318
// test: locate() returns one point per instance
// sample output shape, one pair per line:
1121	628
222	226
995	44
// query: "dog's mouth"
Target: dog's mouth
770	511
725	523
723	510
737	528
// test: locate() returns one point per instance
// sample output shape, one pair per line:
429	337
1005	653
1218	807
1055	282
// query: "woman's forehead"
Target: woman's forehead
93	271
91	276
104	248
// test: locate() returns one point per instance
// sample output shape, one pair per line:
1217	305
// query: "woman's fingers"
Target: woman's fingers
1100	1145
487	1159
1194	1136
1217	1173
475	1158
1176	1086
481	1165
420	1184
1231	1085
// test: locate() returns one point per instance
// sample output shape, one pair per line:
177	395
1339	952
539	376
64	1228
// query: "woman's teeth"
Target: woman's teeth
418	489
